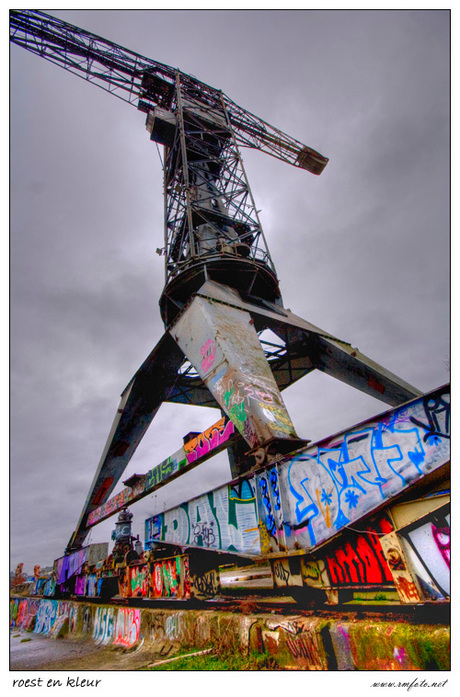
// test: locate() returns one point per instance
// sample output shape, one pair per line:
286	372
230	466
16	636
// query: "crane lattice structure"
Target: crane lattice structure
221	289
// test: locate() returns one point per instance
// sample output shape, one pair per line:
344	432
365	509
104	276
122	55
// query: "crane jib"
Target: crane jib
130	76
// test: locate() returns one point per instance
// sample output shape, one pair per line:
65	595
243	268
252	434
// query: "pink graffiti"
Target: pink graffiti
441	536
210	439
127	627
208	352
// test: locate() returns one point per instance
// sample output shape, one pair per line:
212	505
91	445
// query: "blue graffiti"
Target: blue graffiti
269	518
437	412
351	497
273	475
333	486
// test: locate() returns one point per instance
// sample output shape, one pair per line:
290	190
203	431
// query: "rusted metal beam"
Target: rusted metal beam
308	497
196	451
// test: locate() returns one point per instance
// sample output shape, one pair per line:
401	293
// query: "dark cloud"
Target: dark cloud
362	251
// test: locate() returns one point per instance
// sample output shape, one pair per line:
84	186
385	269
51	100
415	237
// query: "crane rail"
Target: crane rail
422	613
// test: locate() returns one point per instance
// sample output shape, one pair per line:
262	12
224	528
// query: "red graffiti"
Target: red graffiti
361	559
139	580
407	589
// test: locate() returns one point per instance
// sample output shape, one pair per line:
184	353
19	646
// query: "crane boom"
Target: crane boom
221	289
129	76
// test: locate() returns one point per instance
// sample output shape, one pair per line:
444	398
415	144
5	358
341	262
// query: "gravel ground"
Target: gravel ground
29	651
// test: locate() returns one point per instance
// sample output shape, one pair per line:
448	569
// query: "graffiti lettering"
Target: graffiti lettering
407	589
329	486
269	519
208	355
437	413
230	509
139	579
104	625
203	536
281	572
46	616
303	646
127	627
360	559
209	440
170	578
207	583
172	627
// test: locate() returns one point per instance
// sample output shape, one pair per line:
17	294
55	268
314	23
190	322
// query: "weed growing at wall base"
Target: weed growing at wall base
219	660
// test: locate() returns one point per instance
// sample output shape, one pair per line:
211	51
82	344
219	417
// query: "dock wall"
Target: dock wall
294	642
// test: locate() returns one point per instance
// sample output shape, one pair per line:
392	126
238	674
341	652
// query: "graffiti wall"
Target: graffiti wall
70	565
293	642
23	613
222	519
46	616
272	537
428	547
307	498
419	557
138	581
104	625
339	481
127	627
170	578
360	559
198	449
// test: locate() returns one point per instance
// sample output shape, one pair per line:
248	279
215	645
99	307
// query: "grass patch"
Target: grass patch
219	660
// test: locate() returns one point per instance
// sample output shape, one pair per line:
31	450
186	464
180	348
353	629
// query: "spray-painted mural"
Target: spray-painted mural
223	519
307	498
196	450
208	441
360	559
127	627
72	564
419	557
104	625
429	550
342	479
46	616
170	578
270	511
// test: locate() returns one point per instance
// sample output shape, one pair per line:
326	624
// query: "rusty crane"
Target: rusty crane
221	288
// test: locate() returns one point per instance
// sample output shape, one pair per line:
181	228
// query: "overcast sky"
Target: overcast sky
361	251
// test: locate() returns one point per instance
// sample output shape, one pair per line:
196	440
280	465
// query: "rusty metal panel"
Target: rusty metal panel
406	513
221	343
408	590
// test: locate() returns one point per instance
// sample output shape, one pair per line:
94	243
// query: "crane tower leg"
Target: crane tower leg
221	342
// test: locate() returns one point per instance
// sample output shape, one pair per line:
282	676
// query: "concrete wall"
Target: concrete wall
305	643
